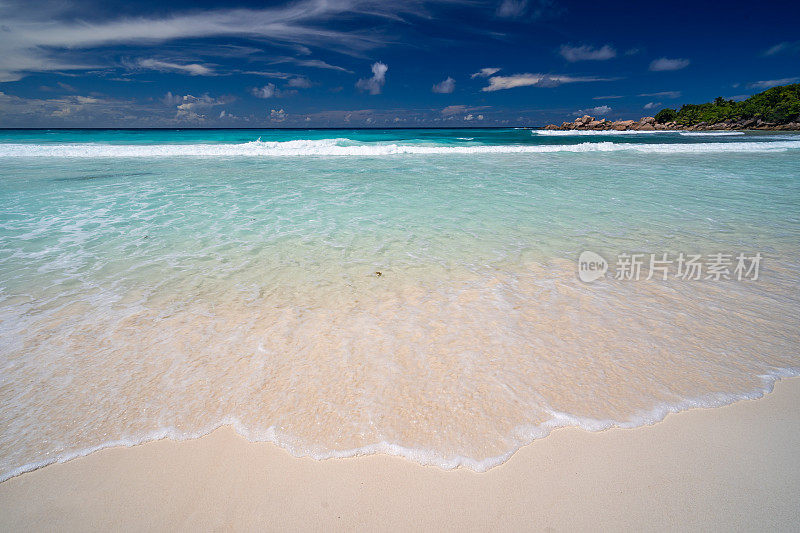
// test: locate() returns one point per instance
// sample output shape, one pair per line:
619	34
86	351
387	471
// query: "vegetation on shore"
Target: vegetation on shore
778	105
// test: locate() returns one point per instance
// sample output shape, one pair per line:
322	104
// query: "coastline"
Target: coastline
724	467
591	124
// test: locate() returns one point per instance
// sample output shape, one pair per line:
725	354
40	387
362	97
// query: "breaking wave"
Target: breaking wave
347	147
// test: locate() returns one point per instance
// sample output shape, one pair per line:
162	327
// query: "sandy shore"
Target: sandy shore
736	467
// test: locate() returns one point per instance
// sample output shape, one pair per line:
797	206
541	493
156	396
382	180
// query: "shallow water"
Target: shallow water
163	283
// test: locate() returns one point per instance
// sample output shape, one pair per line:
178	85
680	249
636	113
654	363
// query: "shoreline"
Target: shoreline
721	467
591	124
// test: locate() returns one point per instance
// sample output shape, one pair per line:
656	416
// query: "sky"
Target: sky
371	63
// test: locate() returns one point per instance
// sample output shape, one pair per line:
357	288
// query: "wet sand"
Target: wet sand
734	467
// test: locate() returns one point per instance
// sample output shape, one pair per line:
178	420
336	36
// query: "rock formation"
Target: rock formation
649	124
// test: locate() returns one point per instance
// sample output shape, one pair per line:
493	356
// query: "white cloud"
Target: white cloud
664	94
784	47
193	69
23	110
599	110
766	84
278	115
586	53
312	63
190	102
95	110
374	85
39	40
453	110
497	83
777	49
444	87
652	105
663	64
269	74
300	82
172	99
189	107
512	8
468	117
269	90
530	9
226	115
485	72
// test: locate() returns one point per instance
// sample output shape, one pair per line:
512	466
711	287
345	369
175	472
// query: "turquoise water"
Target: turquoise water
163	283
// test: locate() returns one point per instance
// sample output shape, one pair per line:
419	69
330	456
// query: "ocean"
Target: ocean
447	295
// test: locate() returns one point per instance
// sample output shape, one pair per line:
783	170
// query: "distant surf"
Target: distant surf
348	147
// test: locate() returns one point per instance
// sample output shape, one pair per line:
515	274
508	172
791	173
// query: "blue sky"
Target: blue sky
356	63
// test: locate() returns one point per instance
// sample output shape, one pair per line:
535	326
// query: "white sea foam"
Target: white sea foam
522	435
569	133
395	350
346	147
710	133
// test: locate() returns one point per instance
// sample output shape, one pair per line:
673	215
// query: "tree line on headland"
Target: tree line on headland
777	108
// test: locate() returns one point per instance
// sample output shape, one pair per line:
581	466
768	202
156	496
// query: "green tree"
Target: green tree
776	105
666	115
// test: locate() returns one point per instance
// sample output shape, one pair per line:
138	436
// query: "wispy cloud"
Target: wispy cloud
170	110
599	110
512	8
766	84
528	9
587	53
193	69
36	41
664	64
277	115
299	82
652	105
374	85
485	72
311	63
784	47
270	74
446	86
269	90
190	107
664	94
453	110
73	107
498	83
